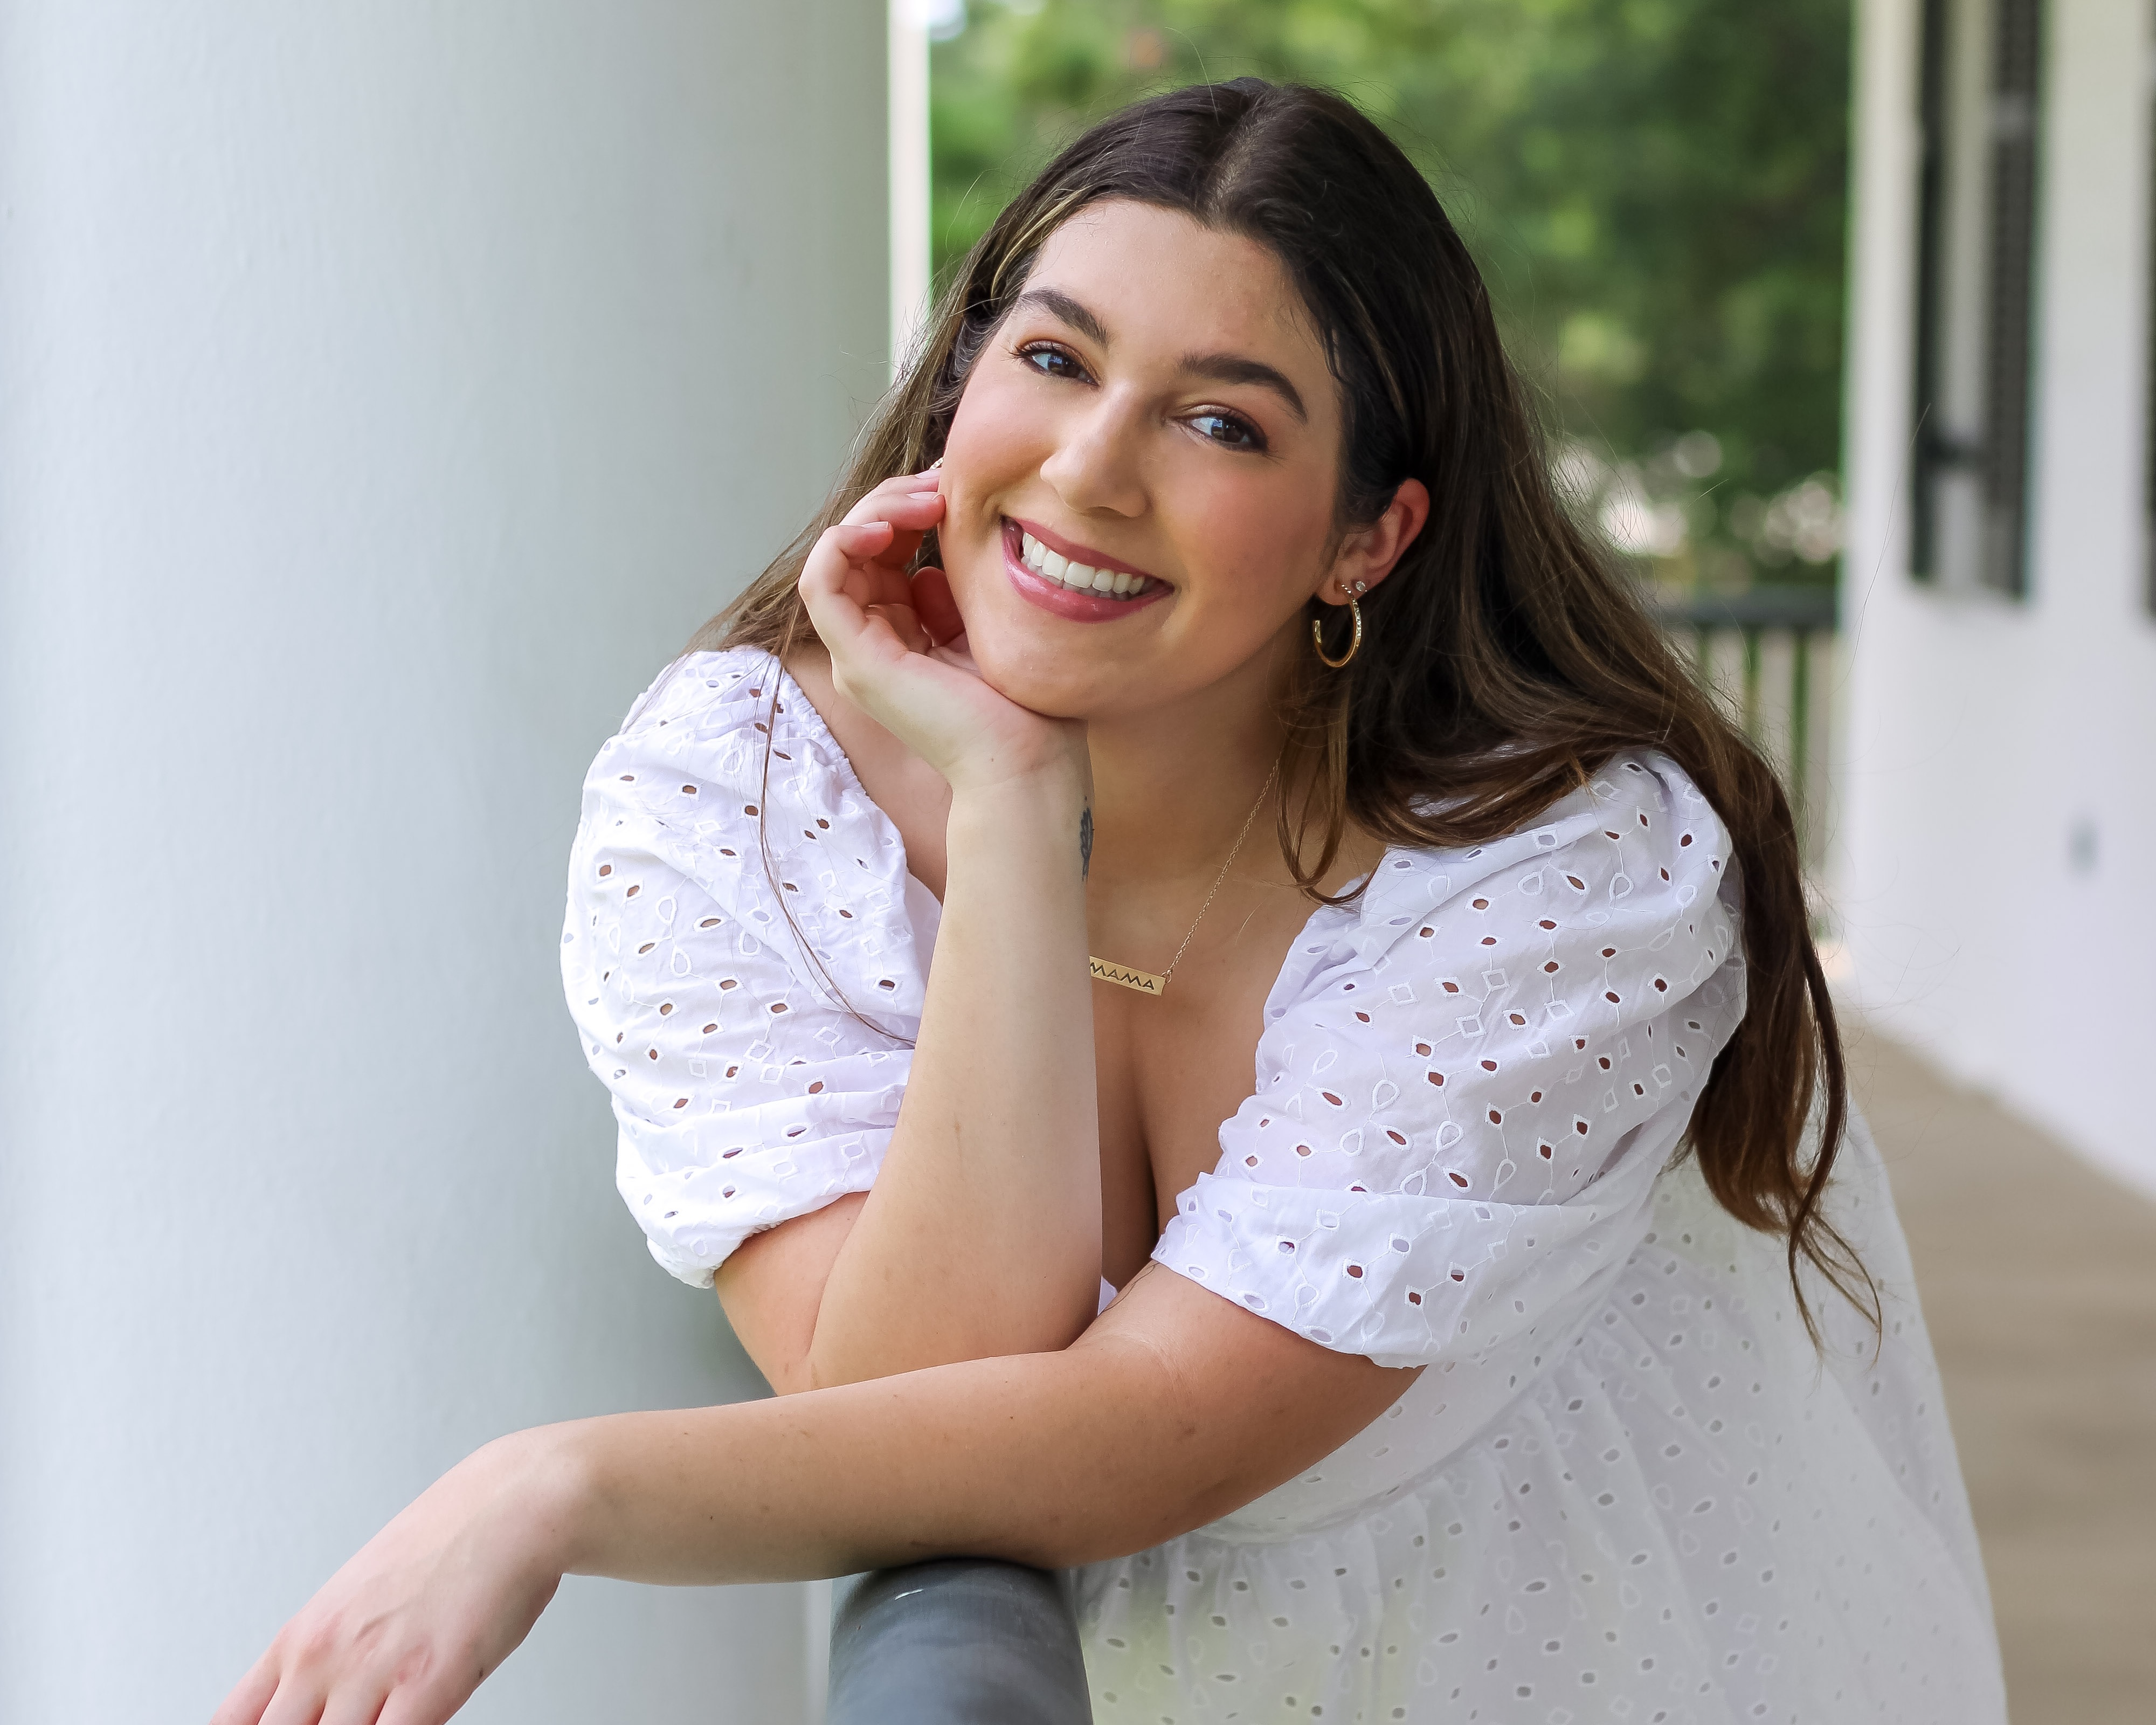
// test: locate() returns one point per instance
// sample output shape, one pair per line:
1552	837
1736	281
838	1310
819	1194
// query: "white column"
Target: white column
386	390
908	24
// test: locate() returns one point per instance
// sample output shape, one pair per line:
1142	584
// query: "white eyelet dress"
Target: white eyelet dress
1624	1487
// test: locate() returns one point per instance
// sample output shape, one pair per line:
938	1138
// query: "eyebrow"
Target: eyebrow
1217	367
1234	369
1059	304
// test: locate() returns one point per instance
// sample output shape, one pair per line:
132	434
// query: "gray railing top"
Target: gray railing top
958	1642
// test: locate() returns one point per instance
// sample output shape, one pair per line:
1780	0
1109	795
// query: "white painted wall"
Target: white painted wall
1983	736
387	389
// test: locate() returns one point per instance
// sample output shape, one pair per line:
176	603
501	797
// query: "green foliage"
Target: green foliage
1654	189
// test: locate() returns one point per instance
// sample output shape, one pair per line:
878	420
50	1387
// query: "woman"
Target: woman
1198	663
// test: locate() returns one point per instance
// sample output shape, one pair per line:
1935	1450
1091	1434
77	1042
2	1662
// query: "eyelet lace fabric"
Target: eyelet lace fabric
1624	1487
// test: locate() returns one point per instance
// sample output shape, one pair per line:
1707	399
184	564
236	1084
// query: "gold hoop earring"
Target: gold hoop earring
1354	640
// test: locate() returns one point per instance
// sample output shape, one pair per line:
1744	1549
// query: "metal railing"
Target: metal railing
1768	654
959	1642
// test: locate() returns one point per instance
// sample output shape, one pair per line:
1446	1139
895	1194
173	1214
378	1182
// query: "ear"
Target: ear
1370	554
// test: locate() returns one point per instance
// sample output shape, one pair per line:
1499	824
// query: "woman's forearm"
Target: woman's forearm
858	1477
1176	1408
998	1142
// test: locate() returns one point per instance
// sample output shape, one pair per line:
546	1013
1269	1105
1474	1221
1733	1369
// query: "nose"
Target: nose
1096	467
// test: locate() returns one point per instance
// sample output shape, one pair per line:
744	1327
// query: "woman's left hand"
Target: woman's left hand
404	1633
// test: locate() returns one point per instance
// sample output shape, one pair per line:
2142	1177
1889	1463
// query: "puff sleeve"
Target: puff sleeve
755	1059
1467	1084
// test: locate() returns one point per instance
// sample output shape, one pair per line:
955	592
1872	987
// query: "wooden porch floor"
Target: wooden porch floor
2038	1278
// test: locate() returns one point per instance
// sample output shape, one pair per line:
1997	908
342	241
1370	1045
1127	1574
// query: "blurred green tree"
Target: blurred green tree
1654	189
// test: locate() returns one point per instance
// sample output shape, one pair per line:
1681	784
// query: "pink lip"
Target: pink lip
1069	548
1062	601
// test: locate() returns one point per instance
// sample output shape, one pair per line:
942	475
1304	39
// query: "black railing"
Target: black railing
1787	625
959	1642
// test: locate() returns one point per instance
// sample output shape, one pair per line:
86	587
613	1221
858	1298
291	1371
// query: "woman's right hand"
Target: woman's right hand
406	1631
983	1233
898	646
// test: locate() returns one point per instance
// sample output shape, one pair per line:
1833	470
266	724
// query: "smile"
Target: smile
1063	581
1078	577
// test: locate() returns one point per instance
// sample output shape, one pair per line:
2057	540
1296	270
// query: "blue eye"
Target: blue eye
1227	430
1052	362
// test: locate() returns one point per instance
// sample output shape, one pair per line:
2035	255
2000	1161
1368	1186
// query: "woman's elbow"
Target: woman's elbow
1078	1532
834	1367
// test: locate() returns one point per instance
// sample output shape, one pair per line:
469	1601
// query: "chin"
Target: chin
1068	661
1058	678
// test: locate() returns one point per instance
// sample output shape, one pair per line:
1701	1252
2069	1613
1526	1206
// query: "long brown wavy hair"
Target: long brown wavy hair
1503	660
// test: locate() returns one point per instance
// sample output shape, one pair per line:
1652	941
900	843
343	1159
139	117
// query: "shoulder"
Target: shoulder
1638	845
725	766
711	713
1613	910
728	738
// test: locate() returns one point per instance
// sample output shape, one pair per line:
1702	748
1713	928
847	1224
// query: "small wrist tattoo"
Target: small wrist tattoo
1085	842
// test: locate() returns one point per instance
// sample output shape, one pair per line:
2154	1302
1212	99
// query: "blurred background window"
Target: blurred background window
1977	119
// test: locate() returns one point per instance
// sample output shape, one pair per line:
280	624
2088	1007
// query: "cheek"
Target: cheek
997	433
996	441
1262	542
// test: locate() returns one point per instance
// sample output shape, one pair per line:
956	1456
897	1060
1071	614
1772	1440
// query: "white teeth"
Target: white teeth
1078	578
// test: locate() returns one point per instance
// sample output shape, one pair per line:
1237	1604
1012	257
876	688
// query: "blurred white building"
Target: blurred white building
386	391
1998	764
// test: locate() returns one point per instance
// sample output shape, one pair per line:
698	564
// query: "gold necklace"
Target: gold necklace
1144	981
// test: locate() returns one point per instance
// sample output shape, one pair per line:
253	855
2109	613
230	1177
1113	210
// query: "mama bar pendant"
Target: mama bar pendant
1123	977
1144	981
